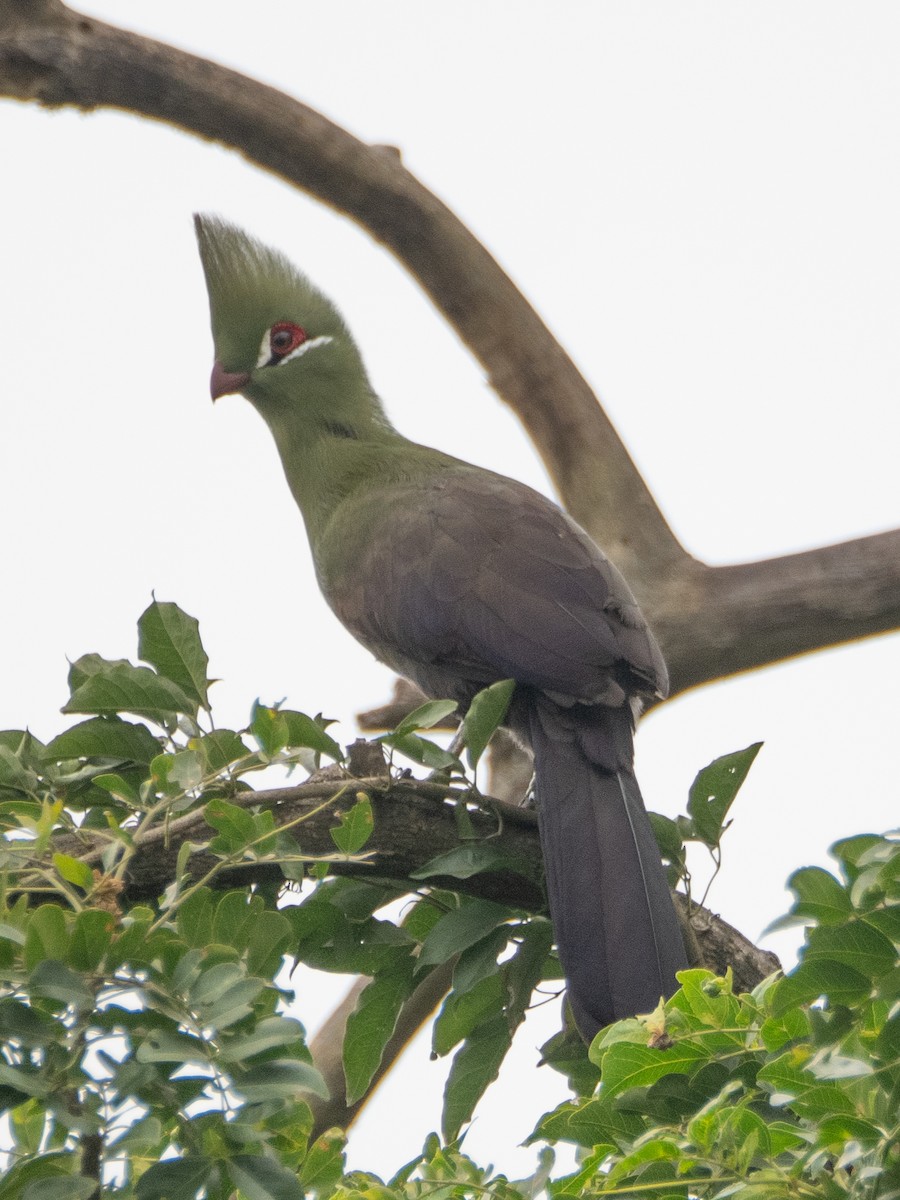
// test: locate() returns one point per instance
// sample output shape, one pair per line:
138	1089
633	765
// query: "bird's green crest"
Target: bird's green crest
251	286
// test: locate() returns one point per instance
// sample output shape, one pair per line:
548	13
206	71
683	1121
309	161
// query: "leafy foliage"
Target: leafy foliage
790	1091
148	1045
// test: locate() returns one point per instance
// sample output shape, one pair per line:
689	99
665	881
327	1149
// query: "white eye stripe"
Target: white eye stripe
303	347
265	350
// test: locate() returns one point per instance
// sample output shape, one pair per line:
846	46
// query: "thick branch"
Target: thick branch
712	622
415	821
717	621
88	64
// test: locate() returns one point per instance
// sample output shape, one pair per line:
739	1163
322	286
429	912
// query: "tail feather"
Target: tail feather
613	917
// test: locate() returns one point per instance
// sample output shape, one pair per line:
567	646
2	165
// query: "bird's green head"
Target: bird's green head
277	339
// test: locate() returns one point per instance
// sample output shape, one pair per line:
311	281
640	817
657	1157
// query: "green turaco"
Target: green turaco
456	578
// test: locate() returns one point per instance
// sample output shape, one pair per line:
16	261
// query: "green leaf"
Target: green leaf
355	827
856	944
178	773
462	1013
421	750
280	1079
105	737
58	982
174	1179
235	826
668	838
269	728
15	777
68	1187
260	1178
324	1164
480	960
268	940
195	918
169	640
161	1045
220	749
713	791
820	977
819	896
91	938
73	870
305	731
835	1132
91	664
476	1065
25	1024
789	1083
466	860
119	788
523	970
426	716
46	936
371	1024
265	1035
593	1122
627	1064
486	714
121	687
461	928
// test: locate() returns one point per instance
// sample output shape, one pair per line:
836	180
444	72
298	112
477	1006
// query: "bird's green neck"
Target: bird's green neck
335	453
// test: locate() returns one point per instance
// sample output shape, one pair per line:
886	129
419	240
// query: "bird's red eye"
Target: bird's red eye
285	337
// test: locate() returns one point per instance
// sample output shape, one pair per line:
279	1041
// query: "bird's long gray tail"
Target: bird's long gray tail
613	917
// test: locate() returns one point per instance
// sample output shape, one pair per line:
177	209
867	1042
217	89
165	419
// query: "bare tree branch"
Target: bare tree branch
89	64
712	622
717	621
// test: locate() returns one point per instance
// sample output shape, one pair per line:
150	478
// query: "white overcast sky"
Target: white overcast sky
700	198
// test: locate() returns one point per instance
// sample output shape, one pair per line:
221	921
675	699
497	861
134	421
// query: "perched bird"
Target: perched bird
456	577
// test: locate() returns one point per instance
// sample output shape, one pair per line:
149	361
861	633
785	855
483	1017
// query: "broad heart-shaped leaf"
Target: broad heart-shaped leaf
105	737
594	1122
788	1081
713	791
303	730
627	1065
842	984
855	944
169	640
371	1024
485	716
220	748
121	687
355	826
819	897
235	826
